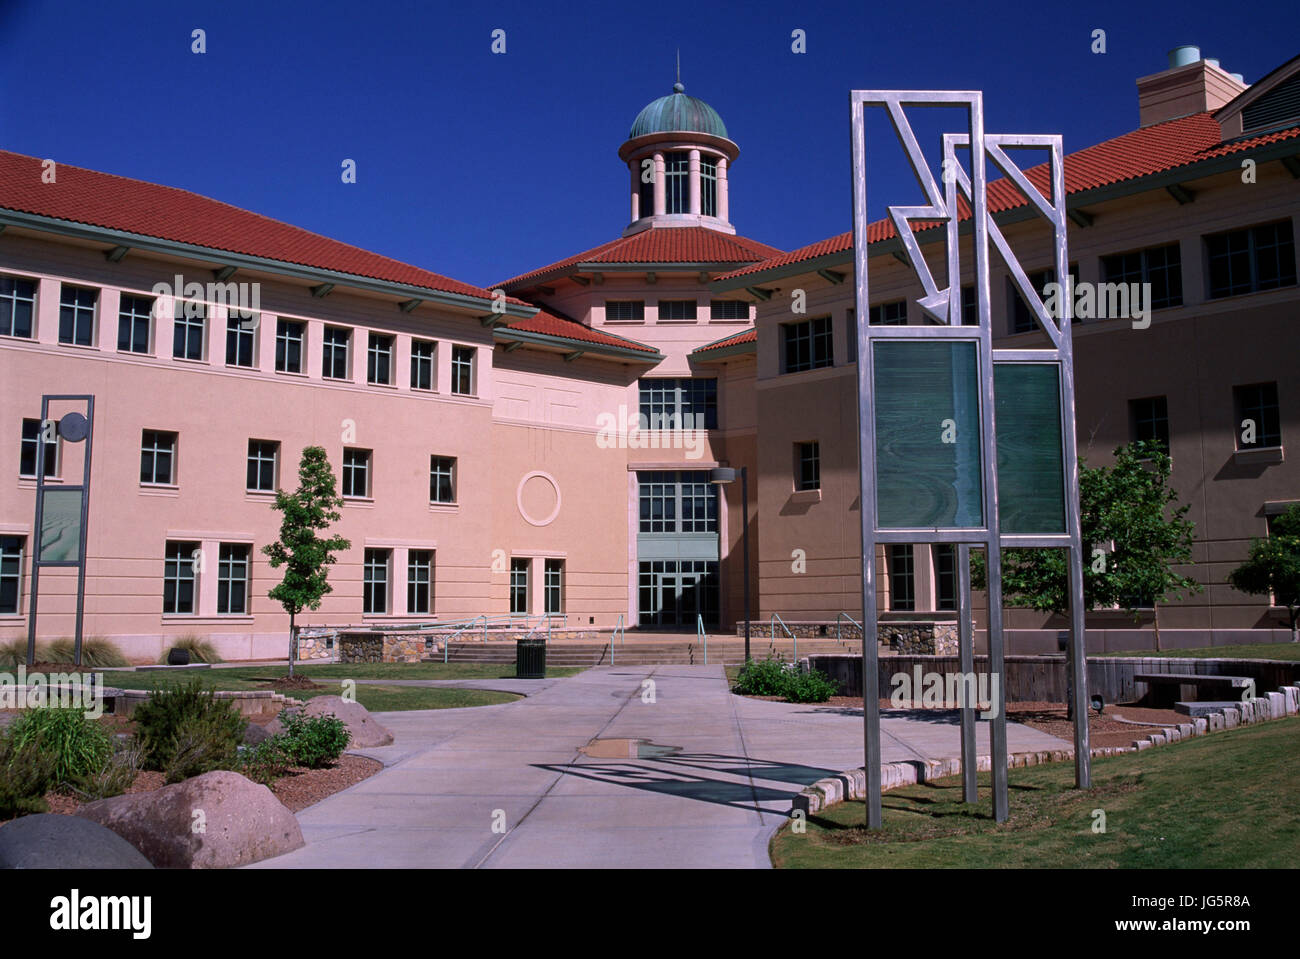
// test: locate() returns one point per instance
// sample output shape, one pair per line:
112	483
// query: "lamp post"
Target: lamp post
723	475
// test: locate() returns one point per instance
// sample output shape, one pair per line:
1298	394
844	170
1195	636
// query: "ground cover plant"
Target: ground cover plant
774	677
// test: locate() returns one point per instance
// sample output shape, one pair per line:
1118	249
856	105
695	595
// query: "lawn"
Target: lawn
377	698
1220	801
1287	651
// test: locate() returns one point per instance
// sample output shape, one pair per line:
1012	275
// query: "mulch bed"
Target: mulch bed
294	682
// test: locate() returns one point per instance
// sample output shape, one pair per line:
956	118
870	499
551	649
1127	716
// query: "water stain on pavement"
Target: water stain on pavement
627	749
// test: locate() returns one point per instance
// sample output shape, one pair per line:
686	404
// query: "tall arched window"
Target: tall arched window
709	185
676	183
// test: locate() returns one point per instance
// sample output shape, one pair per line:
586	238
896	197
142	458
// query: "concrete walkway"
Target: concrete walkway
507	786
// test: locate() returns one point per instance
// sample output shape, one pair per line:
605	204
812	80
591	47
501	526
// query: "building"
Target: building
542	447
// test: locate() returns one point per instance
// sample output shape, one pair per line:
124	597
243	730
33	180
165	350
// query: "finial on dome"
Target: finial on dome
679	87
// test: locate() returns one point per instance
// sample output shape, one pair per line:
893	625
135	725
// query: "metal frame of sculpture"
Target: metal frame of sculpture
942	306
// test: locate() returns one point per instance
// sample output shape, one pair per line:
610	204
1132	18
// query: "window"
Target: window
1248	261
374	583
179	569
241	329
334	353
17	306
356	473
419	581
11	574
232	579
288	346
1161	266
422	364
379	360
672	502
888	314
677	592
808	473
970	306
624	311
679	404
645	188
945	575
709	186
77	315
462	370
807	345
553	585
1259	421
1150	420
30	444
851	321
442	482
902	578
729	309
134	318
188	332
158	458
1022	317
519	586
677	183
676	309
263	460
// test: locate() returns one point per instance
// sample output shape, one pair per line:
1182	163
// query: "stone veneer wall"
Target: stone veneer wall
317	647
904	637
374	647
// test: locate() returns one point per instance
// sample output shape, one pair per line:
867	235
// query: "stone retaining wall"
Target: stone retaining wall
899	636
249	702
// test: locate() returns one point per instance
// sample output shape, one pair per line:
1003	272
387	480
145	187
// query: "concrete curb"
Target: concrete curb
852	783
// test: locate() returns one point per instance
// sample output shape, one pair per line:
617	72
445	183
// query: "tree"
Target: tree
1273	566
1130	545
313	507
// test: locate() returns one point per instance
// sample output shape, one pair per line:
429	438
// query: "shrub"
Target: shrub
26	775
200	649
159	720
117	775
79	747
14	653
266	762
767	677
200	744
813	686
96	653
313	741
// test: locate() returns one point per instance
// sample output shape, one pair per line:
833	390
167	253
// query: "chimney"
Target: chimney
1189	85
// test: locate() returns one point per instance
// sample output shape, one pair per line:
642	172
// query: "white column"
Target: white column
693	172
723	208
634	168
659	185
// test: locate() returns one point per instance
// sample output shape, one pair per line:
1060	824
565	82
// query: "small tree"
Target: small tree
305	555
1273	566
1125	505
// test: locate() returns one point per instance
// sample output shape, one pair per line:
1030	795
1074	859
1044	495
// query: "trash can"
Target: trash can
178	657
530	659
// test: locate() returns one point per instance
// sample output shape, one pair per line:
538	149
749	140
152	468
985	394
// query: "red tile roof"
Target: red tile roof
112	202
1143	152
551	323
695	244
736	339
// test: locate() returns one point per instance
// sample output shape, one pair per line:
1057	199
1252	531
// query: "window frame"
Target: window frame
380	347
813	333
463	362
690	310
240	337
184	559
553	586
1286	276
131	318
635	307
435	476
255	460
807	463
376	558
227	564
52	451
350	469
1242	412
80	313
420	362
11	571
186	328
520	576
414	569
154	451
284	339
330	350
9	302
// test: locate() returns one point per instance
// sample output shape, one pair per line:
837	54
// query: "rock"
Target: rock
47	841
213	821
254	734
365	731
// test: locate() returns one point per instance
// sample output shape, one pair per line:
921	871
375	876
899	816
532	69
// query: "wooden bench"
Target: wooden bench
1166	688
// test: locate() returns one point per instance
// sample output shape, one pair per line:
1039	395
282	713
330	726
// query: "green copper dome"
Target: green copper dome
678	113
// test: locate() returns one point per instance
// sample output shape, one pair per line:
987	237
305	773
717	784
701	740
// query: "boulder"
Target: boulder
366	733
47	841
213	821
255	734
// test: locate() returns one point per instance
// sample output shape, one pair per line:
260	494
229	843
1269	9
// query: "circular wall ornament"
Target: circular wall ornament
73	427
543	479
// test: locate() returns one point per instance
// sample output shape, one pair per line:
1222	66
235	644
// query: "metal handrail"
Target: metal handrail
702	635
619	630
840	616
772	623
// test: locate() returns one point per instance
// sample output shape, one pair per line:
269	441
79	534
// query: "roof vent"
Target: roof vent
1181	56
1189	85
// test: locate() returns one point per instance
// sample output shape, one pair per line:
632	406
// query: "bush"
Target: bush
767	677
208	726
14	653
811	687
773	677
200	744
266	762
96	653
313	741
200	650
26	775
117	775
79	746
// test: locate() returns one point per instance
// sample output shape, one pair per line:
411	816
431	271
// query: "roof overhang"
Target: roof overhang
680	140
570	347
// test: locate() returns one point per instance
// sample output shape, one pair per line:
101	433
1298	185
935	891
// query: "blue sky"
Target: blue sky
482	166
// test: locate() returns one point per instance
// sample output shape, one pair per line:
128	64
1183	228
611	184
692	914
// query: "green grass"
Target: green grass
1221	801
1287	651
373	697
418	670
